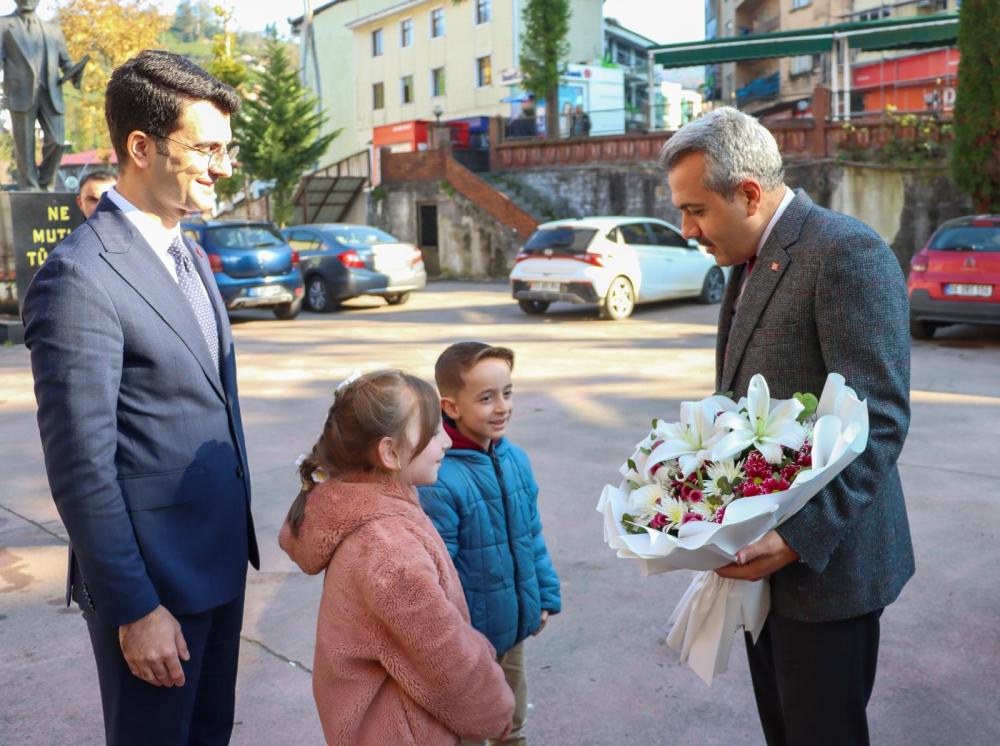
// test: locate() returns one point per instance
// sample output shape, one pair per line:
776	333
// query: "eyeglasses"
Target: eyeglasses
216	156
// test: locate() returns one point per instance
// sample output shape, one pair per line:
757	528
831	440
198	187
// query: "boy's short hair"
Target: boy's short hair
462	356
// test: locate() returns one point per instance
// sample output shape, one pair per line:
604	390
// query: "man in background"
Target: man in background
94	184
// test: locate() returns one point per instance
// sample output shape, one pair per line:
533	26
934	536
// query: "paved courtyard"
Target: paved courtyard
586	390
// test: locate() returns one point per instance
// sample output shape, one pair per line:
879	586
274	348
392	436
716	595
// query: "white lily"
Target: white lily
691	440
760	426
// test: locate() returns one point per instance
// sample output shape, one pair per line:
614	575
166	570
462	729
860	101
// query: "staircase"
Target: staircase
530	200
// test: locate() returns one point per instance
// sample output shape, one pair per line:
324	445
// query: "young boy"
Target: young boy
485	506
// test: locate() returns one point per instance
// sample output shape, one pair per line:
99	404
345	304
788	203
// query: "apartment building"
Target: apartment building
781	87
778	87
386	61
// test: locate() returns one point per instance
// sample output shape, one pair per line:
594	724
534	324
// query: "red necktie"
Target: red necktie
750	262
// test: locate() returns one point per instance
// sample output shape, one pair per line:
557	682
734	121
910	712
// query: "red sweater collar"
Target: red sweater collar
458	440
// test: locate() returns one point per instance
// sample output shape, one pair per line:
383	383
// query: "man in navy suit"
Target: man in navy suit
135	379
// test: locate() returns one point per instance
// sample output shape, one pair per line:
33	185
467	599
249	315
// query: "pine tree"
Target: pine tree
278	130
544	49
975	160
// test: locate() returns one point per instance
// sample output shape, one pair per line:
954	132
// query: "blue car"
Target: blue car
341	261
253	266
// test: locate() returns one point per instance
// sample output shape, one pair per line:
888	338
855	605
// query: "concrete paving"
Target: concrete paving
585	391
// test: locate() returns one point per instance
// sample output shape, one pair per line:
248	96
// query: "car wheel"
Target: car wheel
288	311
318	295
534	307
397	299
712	288
921	329
620	300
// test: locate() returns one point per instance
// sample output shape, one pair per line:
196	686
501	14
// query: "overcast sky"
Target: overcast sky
663	21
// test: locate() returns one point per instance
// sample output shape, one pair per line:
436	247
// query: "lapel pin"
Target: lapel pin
775	266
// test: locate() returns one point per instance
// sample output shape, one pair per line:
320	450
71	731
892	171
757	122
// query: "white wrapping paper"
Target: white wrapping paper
713	608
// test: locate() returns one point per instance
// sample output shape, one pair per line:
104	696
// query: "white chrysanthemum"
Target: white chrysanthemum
727	470
642	502
703	509
672	510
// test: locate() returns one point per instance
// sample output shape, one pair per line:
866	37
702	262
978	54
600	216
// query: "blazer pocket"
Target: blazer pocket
776	336
163	489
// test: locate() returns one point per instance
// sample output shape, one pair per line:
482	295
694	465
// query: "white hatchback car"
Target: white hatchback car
615	262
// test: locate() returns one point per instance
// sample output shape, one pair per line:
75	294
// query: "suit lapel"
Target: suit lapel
18	32
726	311
771	264
136	263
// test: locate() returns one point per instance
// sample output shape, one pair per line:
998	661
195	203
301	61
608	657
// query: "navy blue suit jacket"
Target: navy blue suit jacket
142	435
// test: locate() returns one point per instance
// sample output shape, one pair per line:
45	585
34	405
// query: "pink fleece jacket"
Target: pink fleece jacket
396	660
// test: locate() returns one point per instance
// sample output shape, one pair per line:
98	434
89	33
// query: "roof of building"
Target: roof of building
96	158
936	30
613	26
296	22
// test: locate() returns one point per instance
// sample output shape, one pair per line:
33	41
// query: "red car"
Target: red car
955	278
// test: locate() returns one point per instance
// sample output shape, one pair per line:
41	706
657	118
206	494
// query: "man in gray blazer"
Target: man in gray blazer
135	378
32	53
812	292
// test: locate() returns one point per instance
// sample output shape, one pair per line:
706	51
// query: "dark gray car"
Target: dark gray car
342	260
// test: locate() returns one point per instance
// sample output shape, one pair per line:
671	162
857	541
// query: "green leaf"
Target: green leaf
810	402
631	465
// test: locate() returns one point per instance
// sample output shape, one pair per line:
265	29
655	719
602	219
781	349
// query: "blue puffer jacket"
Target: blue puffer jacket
485	506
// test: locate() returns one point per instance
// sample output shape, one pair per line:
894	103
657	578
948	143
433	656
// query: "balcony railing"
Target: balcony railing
756	90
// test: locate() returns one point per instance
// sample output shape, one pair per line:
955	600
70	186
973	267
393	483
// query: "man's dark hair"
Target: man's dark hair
149	92
100	174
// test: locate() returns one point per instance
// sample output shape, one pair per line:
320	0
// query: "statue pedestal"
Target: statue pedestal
31	224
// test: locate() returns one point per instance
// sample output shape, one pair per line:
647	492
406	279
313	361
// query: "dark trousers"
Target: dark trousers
30	175
200	713
812	680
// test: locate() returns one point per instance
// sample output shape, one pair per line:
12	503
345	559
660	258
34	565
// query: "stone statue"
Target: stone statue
33	53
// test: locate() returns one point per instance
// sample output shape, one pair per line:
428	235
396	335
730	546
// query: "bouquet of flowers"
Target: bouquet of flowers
697	491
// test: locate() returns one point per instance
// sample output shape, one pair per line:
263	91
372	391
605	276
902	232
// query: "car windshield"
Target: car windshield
360	236
251	236
967	238
571	239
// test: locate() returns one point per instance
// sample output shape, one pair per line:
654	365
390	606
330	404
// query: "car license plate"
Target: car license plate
265	291
391	258
551	287
979	291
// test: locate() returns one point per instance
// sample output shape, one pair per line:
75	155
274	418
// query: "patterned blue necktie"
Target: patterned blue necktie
197	295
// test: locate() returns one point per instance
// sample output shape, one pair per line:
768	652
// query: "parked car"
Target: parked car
955	278
253	266
341	261
614	262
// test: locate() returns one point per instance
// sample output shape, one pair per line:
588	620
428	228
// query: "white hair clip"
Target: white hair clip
347	381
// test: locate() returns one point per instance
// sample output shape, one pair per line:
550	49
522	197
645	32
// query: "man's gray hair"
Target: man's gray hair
736	147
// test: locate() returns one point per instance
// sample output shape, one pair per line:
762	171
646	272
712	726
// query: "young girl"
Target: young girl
396	660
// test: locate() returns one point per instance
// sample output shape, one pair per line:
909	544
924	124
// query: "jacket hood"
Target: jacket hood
337	508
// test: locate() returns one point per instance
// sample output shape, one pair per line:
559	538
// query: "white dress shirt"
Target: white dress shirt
782	206
158	237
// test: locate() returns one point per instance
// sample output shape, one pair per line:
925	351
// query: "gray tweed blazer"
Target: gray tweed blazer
827	295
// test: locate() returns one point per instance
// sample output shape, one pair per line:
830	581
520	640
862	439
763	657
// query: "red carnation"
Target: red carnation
757	467
749	489
774	485
790	472
692	517
658	522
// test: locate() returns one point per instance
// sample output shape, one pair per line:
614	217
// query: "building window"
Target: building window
406	87
484	11
796	4
484	72
406	33
802	64
378	96
437	81
377	43
437	23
